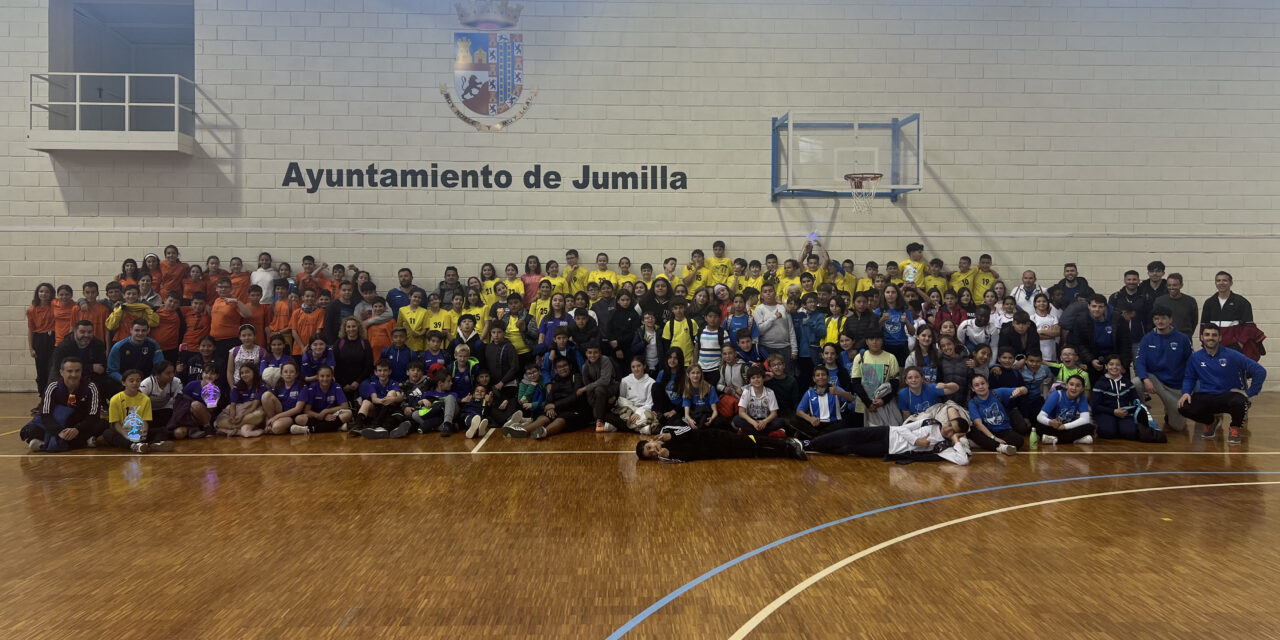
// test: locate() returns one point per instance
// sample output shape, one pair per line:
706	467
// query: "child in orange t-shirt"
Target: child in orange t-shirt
239	280
94	311
168	334
40	332
196	321
306	321
260	317
192	283
380	333
282	312
172	272
64	314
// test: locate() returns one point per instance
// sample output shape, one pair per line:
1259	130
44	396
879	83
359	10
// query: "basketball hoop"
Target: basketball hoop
863	186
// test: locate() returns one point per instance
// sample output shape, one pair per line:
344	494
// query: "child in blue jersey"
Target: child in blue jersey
699	401
434	354
316	357
740	318
996	425
244	417
561	347
325	407
207	401
399	354
288	392
803	360
918	395
1065	417
897	323
474	405
1035	376
380	399
821	407
463	369
748	351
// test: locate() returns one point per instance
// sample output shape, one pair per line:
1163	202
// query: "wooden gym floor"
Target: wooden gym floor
328	537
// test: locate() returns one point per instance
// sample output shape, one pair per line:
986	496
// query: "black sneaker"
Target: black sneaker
797	449
401	430
163	445
446	430
1233	435
373	433
1210	430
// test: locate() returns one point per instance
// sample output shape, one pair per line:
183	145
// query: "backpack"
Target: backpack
664	345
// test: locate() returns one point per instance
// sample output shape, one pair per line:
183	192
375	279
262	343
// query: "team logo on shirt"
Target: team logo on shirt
1222	362
488	66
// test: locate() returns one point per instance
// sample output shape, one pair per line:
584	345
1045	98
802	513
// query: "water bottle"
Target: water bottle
1035	439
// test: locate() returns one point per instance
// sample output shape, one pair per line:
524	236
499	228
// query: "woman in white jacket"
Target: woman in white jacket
635	399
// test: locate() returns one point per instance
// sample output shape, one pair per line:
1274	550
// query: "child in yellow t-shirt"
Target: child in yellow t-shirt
129	413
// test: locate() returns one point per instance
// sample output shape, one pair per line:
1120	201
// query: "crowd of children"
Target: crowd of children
915	361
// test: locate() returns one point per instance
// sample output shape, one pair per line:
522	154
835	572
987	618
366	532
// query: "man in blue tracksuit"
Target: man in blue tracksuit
1161	363
1220	374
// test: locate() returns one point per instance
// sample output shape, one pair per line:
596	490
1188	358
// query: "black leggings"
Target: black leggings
1011	434
42	343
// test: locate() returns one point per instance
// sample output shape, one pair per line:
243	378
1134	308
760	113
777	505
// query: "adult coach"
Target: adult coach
1182	307
92	352
398	297
1161	364
1220	374
135	352
69	412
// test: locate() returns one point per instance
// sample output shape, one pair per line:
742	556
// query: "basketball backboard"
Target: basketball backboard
814	150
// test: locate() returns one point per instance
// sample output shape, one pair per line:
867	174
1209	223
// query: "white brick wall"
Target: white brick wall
1074	130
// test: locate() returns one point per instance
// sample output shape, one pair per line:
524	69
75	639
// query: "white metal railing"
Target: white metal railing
138	108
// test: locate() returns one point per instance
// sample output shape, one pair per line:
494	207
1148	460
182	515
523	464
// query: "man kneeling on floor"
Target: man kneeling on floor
925	439
685	444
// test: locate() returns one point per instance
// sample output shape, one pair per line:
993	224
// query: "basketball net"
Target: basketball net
863	186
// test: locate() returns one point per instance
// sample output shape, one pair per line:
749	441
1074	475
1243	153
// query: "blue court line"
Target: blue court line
667	599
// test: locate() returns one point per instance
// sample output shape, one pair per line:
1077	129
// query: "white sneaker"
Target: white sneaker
646	431
299	430
1085	440
516	418
92	443
473	426
484	426
1007	449
1048	439
35	445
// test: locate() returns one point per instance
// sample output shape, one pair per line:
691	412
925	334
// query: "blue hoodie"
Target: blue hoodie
1164	356
1221	372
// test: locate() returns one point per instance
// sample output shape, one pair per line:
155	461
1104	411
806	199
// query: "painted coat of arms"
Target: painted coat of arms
488	67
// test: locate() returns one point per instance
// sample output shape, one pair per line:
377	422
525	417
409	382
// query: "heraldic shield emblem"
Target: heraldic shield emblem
488	67
488	72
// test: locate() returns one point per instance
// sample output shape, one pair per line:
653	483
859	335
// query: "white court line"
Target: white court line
123	454
157	456
768	610
484	440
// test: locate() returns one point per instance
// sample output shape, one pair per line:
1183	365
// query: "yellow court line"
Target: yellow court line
9	433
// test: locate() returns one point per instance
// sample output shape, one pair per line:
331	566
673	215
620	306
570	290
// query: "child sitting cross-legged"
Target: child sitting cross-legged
380	401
